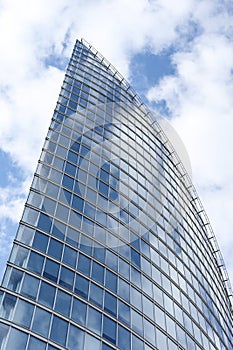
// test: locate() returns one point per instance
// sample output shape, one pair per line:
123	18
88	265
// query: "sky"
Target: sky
178	57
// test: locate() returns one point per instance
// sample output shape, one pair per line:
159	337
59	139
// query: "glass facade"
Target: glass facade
113	250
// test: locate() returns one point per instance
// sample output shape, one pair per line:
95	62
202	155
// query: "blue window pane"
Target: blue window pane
17	340
96	294
58	229
55	249
84	150
110	303
111	281
23	313
63	301
72	236
8	305
15	280
76	338
91	342
65	196
70	169
135	257
50	347
124	269
81	286
40	241
79	311
106	347
85	242
149	331
3	333
30	286
73	157
109	329
62	212
69	256
137	322
94	320
123	312
138	344
111	260
135	277
59	330
66	278
41	322
52	190
49	206
36	344
51	270
68	182
75	146
77	203
44	222
35	262
136	298
124	289
99	253
98	272
47	293
84	264
124	339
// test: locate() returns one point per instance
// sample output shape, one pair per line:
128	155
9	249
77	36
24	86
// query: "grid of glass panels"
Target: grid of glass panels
110	252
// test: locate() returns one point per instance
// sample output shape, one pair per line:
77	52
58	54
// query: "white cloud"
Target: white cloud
199	95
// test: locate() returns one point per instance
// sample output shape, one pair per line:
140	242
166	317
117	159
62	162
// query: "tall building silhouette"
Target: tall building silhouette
114	250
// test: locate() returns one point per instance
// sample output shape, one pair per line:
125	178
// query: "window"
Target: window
69	256
51	270
109	329
55	249
110	303
77	203
91	342
149	332
137	323
3	333
23	313
76	338
35	262
81	286
94	320
41	322
111	281
98	272
46	295
96	294
36	344
124	339
14	280
8	305
79	311
123	312
63	301
66	278
17	340
124	289
30	286
40	241
84	264
44	222
138	344
59	330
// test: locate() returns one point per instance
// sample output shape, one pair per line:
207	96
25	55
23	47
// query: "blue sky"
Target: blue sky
179	58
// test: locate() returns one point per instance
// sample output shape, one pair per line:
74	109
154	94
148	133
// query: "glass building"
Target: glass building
114	250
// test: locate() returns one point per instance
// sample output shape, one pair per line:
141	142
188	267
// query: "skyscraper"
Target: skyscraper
114	250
